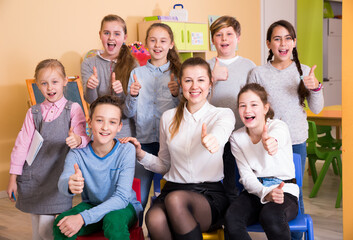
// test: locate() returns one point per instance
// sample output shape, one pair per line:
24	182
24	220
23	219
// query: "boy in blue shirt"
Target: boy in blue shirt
103	173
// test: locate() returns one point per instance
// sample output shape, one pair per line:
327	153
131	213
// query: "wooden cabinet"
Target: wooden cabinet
191	39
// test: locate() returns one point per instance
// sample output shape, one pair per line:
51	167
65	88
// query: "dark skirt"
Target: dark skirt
212	191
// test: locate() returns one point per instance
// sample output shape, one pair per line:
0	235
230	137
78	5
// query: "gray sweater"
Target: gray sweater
225	93
282	87
104	70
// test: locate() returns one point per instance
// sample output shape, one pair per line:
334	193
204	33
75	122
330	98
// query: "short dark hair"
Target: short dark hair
106	99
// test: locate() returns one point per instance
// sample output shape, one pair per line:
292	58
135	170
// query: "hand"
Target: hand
276	195
140	154
310	81
70	225
135	87
73	140
116	85
93	81
76	181
208	140
270	144
173	86
219	73
12	187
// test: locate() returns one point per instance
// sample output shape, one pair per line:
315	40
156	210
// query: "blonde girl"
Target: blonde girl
153	89
62	125
108	72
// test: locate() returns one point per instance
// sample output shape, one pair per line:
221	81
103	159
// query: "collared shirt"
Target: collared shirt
50	111
154	99
184	159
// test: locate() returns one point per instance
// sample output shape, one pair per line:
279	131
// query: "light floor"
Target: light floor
15	225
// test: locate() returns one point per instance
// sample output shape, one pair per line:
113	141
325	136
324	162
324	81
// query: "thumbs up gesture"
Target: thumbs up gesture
76	181
173	86
73	140
310	81
219	73
93	81
135	87
276	195
270	144
208	140
116	84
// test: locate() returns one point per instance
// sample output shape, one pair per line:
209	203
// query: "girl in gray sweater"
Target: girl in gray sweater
288	84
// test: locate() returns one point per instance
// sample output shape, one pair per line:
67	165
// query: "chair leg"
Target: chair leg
321	176
339	196
334	166
312	168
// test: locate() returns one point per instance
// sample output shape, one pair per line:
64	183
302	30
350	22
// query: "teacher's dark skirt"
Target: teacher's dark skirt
212	191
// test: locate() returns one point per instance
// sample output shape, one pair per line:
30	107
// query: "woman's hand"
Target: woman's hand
208	140
140	154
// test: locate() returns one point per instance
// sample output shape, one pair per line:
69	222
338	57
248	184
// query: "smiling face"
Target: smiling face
252	111
105	124
196	85
159	43
226	41
281	44
51	83
112	36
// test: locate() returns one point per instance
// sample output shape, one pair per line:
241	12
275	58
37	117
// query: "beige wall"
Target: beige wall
34	30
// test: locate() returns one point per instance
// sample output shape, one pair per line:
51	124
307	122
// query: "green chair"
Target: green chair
327	154
325	139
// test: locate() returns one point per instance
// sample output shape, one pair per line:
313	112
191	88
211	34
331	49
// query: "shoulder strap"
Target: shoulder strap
37	116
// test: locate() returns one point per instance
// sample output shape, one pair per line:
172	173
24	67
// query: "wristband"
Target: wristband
318	88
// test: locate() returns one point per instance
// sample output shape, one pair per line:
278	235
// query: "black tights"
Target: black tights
183	215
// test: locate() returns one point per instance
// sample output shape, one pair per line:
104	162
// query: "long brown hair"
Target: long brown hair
303	92
179	114
125	61
261	93
172	56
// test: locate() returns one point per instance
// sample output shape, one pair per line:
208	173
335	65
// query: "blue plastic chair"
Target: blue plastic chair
303	222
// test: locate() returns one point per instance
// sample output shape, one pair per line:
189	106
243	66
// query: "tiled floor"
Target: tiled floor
15	225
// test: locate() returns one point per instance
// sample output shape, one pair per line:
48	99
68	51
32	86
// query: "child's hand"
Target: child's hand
140	154
135	87
116	84
173	86
93	81
70	225
76	181
310	81
73	140
219	73
270	144
276	195
12	187
208	140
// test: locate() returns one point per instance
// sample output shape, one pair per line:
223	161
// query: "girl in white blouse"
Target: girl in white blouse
192	138
263	152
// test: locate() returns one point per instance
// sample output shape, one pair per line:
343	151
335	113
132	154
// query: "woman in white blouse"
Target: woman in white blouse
263	152
192	138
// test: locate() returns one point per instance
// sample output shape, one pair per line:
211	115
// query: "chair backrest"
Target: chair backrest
298	169
136	186
73	92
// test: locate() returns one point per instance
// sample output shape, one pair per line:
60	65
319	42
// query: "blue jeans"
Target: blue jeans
301	150
144	175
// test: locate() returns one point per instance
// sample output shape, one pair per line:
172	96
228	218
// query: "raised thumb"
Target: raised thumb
135	78
172	77
113	77
77	169
71	131
204	130
312	70
280	186
264	133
